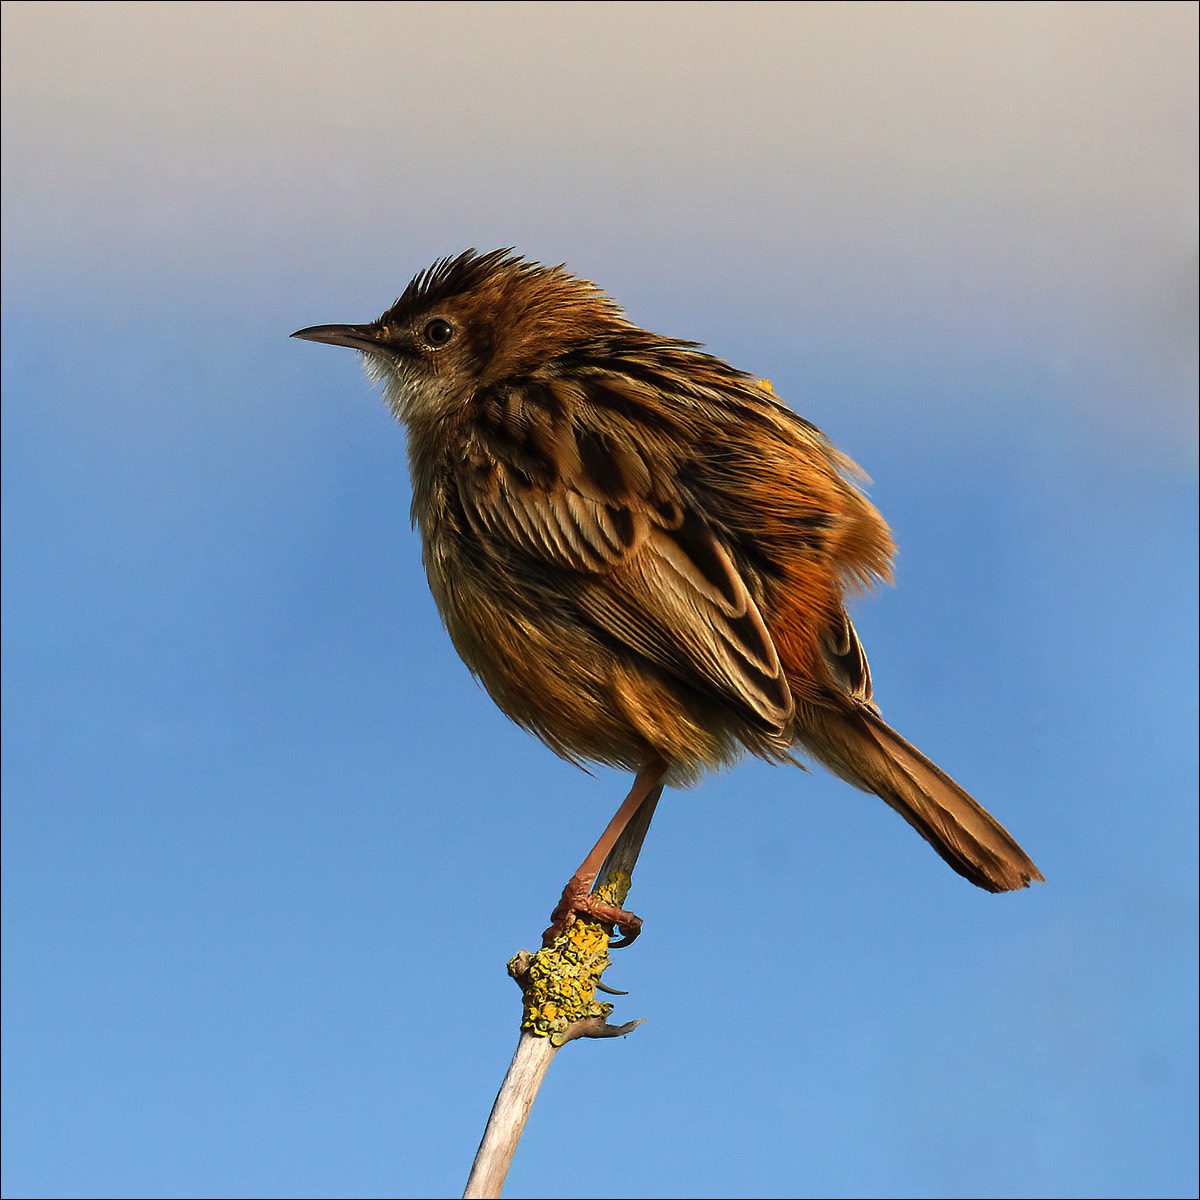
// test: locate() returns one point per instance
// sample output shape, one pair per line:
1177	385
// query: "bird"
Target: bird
642	553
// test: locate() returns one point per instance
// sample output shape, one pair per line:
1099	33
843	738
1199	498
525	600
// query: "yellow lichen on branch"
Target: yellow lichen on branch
559	982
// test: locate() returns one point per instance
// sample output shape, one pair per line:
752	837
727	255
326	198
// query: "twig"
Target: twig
509	1113
559	989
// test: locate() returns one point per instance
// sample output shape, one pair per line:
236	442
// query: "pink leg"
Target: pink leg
577	898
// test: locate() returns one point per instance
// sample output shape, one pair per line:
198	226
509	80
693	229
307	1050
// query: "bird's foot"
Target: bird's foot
578	900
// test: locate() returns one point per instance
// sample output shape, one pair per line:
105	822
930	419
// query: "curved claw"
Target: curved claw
629	929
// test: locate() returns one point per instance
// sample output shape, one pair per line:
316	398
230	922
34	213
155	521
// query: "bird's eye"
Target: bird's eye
438	332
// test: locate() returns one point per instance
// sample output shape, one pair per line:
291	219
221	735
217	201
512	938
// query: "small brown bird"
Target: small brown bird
641	553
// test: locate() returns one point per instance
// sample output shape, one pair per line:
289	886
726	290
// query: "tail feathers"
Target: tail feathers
863	750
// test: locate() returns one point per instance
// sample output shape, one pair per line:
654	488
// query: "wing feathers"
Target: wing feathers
649	573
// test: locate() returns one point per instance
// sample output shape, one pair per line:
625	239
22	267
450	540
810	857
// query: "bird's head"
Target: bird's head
472	321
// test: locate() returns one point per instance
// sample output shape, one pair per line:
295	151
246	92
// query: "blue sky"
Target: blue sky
267	847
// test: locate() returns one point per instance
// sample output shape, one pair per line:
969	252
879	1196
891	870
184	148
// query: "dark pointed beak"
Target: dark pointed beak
357	337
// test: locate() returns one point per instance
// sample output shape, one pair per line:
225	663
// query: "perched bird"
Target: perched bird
641	552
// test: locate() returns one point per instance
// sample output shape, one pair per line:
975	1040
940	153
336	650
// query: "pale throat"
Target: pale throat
412	394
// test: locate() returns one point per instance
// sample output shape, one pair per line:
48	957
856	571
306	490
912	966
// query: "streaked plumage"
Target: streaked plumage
639	550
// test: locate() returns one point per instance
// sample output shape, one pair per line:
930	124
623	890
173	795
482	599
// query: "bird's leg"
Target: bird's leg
578	898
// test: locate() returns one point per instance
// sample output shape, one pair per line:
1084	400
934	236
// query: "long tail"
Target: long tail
858	746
